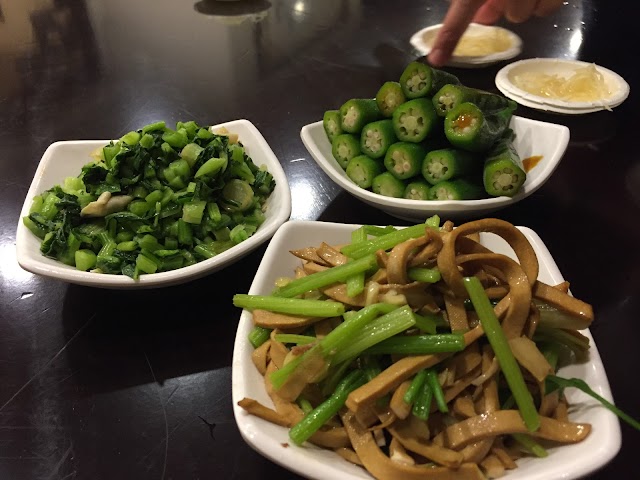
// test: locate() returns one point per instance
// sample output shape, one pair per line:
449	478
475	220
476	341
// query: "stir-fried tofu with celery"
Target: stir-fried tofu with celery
418	353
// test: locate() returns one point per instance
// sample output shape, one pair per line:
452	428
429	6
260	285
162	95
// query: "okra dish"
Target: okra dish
157	199
419	353
427	137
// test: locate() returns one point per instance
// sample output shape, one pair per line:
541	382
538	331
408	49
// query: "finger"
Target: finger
456	21
517	11
547	7
490	12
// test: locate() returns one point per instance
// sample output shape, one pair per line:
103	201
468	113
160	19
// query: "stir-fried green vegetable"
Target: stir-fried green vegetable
554	382
158	199
505	357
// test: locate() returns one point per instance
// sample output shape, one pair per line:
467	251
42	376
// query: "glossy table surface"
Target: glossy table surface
100	384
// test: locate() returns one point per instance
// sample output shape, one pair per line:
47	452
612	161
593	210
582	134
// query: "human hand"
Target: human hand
462	12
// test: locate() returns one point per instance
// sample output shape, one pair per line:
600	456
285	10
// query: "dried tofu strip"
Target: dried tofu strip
497	292
532	321
310	255
562	411
416	294
431	307
519	297
464	407
505	422
475	452
564	302
490	366
398	372
514	451
563	287
339	293
530	358
312	367
403	432
266	319
380	276
427	254
456	313
465	361
260	357
474	237
549	402
278	350
467	246
485	279
367	417
257	409
397	404
504	457
382	258
413	294
398	257
447	257
490	402
398	454
331	256
492	466
287	417
349	455
386	417
383	468
331	438
472	318
458	387
313	394
288	410
311	267
496	273
323	327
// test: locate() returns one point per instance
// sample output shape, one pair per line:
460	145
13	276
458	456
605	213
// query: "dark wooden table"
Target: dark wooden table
99	384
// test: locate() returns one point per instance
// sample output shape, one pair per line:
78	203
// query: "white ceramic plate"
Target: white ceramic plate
532	138
563	68
423	42
65	159
566	462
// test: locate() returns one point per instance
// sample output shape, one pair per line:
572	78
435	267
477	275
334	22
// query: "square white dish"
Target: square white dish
66	159
532	138
272	441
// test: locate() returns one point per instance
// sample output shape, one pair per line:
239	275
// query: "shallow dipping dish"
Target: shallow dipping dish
423	40
533	138
66	159
618	87
272	441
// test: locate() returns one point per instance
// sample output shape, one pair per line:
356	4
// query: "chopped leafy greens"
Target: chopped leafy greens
156	200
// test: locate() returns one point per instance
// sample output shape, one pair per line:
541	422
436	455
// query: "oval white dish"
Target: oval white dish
618	87
423	40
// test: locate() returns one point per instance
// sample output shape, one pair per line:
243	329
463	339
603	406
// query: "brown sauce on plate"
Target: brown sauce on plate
529	163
